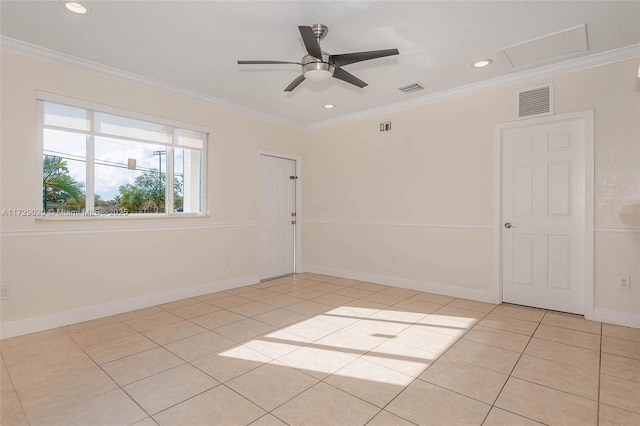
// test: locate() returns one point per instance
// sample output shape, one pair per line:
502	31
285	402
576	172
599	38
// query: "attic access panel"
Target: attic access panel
547	49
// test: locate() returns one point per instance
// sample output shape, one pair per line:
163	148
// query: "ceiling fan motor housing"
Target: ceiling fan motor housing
310	63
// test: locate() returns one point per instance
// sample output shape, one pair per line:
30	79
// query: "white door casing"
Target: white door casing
277	208
546	213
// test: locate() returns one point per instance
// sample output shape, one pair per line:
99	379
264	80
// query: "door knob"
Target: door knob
508	225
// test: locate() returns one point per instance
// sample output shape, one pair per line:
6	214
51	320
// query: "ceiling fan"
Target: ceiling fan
318	65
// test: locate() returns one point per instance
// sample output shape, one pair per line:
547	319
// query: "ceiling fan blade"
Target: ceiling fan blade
310	42
343	75
350	58
266	62
295	83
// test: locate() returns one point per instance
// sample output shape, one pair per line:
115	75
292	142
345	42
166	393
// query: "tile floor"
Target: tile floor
318	350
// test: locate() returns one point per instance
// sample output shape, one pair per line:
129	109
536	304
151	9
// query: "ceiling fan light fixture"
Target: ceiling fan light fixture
76	7
318	75
315	69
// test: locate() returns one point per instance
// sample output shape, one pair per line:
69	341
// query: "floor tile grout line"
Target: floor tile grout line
268	414
141	333
568	344
570	328
393	414
493	404
547	386
101	369
620	355
562	362
555	389
187	399
509	375
270	411
387	306
184	363
358	397
519	415
322	380
434	361
560	390
620	338
120	387
22	410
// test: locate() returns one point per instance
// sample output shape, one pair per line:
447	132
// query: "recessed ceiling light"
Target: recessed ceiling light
482	63
328	106
75	7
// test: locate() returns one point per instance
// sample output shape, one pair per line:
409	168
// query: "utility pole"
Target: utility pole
160	153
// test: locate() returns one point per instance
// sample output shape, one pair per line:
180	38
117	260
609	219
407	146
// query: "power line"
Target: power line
72	157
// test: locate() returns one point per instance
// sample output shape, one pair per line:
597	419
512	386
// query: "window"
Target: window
98	161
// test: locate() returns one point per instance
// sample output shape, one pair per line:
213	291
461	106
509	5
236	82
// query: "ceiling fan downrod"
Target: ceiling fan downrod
320	31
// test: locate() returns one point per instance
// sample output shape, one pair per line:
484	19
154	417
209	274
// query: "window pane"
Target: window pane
188	181
190	138
64	171
129	163
130	175
65	116
116	125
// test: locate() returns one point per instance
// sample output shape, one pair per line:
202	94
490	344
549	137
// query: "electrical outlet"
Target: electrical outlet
623	282
4	292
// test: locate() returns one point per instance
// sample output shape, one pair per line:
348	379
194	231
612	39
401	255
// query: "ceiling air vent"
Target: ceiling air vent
535	102
411	88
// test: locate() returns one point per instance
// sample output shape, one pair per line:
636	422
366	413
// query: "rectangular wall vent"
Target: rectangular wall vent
411	88
535	102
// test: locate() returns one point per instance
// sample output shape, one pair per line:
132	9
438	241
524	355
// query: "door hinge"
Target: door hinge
293	222
293	177
293	214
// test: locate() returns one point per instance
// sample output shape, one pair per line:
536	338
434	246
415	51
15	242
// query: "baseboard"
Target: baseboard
626	319
18	328
602	315
445	289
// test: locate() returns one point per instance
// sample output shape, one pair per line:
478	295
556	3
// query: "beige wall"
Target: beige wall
58	266
417	203
414	206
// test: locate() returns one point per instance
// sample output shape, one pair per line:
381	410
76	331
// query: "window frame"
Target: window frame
91	108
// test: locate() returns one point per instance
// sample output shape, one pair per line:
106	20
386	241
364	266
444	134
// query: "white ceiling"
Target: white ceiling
194	45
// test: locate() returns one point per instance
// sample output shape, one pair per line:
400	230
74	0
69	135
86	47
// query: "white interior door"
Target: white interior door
543	215
277	216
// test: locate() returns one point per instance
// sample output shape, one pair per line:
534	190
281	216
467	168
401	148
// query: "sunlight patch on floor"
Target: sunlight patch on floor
396	345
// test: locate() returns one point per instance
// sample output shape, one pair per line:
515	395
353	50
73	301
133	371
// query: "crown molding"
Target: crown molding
54	56
583	62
